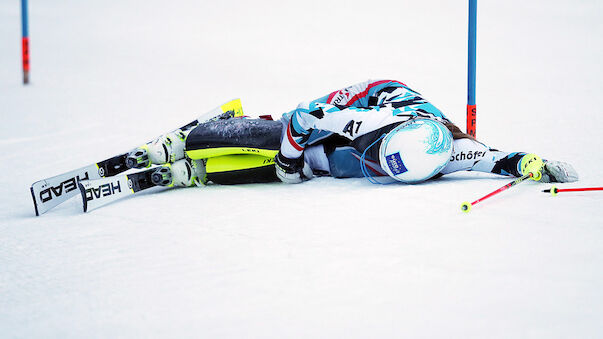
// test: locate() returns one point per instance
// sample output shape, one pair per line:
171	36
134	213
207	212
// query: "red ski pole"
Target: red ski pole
554	190
466	206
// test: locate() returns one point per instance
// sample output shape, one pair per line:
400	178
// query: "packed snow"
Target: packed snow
330	258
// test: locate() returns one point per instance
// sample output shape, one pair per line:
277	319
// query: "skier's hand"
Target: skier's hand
292	171
531	163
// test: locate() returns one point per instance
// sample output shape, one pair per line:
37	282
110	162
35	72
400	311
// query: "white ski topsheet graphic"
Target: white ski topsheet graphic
50	192
99	192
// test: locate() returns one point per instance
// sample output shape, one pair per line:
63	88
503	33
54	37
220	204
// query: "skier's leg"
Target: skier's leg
240	169
234	136
237	150
169	148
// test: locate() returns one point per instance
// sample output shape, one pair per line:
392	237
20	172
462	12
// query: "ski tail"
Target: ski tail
33	196
100	192
50	192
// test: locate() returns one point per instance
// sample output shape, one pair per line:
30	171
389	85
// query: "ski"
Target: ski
99	192
50	192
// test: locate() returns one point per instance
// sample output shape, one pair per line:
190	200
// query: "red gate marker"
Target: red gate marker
25	41
471	60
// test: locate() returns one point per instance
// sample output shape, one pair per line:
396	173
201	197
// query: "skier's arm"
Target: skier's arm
308	117
471	155
349	122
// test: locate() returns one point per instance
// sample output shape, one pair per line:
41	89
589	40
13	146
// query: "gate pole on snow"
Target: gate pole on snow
471	108
25	41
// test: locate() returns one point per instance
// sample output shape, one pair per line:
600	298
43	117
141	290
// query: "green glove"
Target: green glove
531	163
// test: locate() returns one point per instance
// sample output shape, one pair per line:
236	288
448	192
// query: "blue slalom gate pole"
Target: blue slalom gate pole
25	41
471	107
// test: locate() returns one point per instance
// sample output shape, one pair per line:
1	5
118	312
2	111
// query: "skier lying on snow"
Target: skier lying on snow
374	128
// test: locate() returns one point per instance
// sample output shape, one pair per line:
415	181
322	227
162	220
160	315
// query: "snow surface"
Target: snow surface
328	258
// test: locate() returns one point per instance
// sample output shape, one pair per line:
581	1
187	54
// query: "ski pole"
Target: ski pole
466	206
554	190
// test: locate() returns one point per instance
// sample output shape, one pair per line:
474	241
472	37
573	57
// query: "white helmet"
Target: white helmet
416	150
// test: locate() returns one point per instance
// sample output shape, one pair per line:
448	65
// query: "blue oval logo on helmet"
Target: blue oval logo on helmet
395	163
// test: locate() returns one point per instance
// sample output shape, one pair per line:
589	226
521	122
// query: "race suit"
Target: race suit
334	130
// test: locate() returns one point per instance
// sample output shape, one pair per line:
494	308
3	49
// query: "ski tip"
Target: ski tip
83	193
33	196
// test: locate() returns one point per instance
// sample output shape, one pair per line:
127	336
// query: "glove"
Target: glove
547	171
531	163
292	171
557	171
